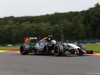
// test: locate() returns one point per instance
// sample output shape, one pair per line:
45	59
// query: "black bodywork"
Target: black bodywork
42	46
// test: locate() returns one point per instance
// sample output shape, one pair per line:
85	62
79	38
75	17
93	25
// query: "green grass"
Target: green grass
94	47
9	48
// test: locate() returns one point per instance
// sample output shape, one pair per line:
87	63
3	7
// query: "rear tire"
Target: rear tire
24	49
58	50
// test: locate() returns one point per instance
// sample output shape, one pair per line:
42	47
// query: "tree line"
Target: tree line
76	25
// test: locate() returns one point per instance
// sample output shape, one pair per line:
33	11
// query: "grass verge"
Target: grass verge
10	48
94	47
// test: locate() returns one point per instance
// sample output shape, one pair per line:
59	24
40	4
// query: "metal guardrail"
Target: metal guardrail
10	44
86	41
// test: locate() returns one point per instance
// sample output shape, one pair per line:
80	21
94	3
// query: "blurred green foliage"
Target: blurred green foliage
76	25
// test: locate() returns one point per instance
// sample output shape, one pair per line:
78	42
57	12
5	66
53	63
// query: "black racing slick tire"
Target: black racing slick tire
58	50
81	46
24	49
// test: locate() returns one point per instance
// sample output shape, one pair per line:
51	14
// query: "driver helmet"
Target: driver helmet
53	42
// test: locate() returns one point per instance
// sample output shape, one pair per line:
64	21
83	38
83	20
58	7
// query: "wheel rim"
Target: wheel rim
56	50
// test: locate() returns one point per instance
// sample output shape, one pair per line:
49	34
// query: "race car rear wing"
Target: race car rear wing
27	40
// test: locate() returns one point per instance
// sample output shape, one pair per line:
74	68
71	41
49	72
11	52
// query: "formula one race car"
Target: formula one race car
48	45
37	45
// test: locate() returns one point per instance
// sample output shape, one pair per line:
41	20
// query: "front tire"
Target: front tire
24	49
81	46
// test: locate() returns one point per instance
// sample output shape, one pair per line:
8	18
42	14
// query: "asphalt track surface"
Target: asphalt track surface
16	64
